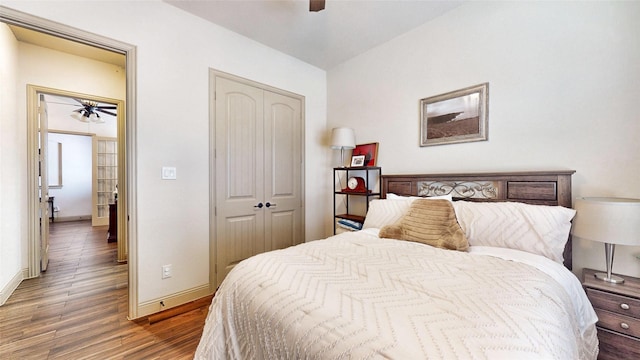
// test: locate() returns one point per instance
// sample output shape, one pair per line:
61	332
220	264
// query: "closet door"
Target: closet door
258	159
282	175
239	179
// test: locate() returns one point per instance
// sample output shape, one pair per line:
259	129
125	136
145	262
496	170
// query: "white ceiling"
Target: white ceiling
343	30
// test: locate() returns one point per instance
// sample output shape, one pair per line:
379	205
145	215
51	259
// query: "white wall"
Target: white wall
74	197
12	197
45	67
175	51
563	89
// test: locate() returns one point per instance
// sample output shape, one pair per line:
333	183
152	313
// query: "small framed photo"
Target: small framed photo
357	160
369	151
455	117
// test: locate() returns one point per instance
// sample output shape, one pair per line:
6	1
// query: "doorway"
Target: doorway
34	94
83	181
90	178
126	141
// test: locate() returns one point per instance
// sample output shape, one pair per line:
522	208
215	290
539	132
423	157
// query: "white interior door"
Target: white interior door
43	140
239	169
282	175
258	175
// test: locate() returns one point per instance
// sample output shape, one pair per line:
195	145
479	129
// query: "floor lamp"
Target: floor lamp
612	221
343	138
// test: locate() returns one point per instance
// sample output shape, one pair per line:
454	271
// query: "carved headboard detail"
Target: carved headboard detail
531	187
459	189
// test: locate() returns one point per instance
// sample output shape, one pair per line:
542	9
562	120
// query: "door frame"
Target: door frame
126	135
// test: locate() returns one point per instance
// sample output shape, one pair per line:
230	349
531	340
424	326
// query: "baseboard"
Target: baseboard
72	218
11	286
181	309
165	303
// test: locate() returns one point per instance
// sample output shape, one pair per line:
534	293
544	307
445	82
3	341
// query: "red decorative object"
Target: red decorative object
356	185
370	152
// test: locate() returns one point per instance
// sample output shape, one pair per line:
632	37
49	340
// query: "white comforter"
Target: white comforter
356	296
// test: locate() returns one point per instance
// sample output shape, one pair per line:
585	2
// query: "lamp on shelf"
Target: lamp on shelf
612	221
343	138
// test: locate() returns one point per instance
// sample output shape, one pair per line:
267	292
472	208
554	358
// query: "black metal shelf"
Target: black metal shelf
370	172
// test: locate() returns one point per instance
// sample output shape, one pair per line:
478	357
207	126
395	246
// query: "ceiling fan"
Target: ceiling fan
89	111
316	5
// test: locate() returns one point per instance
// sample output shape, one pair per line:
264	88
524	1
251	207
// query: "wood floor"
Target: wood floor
78	308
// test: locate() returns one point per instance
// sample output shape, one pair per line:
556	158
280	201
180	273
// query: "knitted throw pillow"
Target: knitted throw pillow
431	222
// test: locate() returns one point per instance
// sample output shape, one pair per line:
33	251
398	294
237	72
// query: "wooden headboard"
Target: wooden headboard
531	187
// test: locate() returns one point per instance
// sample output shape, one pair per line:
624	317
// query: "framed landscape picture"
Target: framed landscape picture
455	117
369	151
357	160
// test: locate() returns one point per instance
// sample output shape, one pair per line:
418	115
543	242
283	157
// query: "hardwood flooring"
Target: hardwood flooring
78	308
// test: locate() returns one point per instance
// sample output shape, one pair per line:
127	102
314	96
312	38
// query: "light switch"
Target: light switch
168	173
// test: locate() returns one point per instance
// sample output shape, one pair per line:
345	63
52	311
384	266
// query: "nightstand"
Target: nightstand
618	310
370	188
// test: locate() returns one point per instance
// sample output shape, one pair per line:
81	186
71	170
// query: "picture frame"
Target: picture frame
455	117
369	151
357	160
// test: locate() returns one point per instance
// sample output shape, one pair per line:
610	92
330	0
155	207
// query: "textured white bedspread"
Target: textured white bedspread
356	296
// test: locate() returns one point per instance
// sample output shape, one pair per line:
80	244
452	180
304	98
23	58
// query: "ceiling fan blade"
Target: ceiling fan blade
106	112
316	5
107	107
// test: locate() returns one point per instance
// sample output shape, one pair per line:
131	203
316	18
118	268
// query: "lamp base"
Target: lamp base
613	279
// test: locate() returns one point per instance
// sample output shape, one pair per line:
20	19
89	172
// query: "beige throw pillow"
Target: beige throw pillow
431	222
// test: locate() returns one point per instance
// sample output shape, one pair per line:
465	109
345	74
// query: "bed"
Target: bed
497	286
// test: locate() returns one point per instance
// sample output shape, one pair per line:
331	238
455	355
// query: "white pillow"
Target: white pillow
537	229
388	211
392	196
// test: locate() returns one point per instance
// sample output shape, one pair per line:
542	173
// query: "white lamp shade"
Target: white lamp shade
608	220
343	138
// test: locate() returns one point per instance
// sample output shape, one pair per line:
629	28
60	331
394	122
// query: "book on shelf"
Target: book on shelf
350	224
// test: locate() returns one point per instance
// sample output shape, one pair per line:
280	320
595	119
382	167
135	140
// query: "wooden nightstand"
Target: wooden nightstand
618	310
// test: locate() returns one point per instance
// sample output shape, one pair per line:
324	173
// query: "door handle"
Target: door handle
259	206
270	205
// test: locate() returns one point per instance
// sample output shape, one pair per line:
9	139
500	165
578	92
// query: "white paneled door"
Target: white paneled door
43	139
258	172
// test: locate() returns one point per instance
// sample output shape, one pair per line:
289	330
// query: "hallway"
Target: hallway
78	308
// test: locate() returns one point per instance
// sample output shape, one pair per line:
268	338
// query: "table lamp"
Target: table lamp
612	221
343	138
